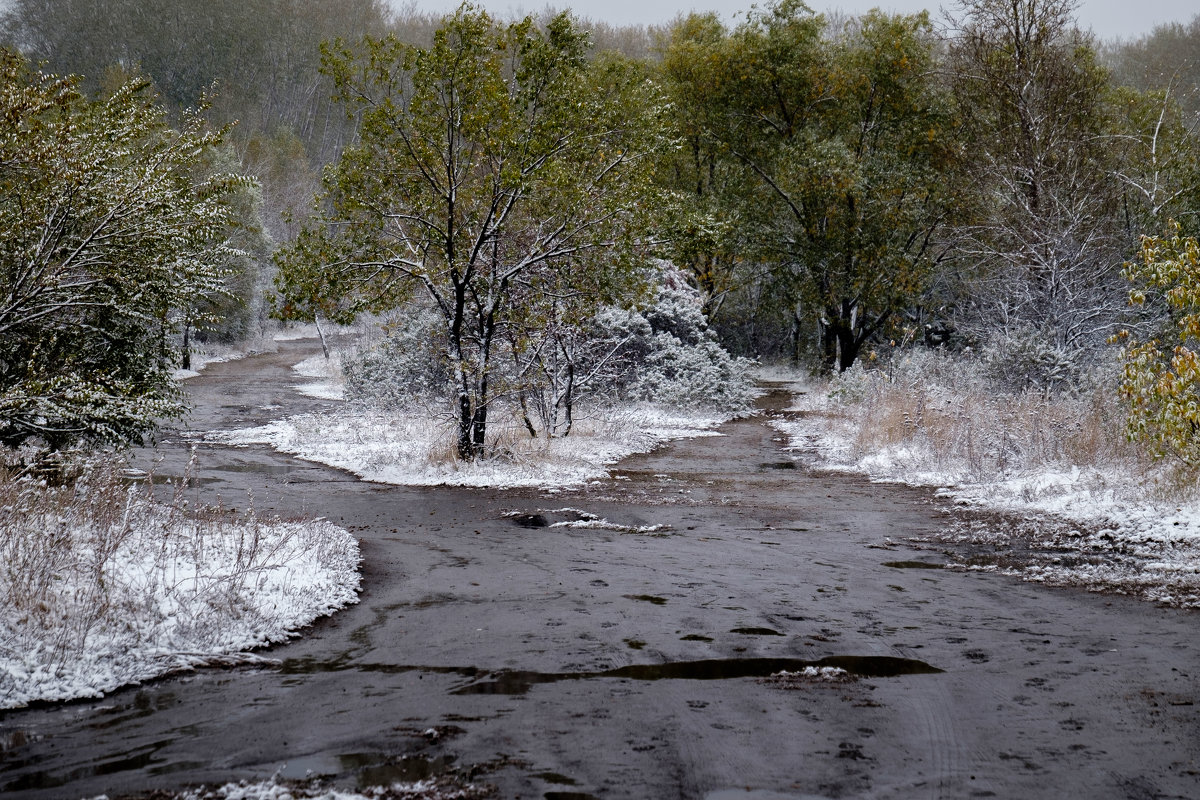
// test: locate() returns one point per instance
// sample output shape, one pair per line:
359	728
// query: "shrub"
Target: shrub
406	365
1162	387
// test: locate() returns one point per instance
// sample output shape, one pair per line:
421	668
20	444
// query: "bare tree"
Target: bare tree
1047	245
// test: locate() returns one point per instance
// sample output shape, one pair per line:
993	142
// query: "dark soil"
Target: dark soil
488	651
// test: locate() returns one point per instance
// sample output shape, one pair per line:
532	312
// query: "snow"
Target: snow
1108	526
159	593
308	330
415	449
813	673
200	360
273	790
331	385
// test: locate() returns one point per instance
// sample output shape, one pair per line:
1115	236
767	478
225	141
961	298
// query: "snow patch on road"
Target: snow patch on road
431	789
415	449
331	386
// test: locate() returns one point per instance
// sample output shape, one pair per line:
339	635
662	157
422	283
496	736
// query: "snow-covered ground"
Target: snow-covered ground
94	601
414	448
329	384
1111	525
274	790
209	355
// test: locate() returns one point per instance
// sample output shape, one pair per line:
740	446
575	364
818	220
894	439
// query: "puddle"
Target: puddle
530	521
514	682
409	769
255	467
556	778
756	631
144	756
912	565
370	769
778	465
647	598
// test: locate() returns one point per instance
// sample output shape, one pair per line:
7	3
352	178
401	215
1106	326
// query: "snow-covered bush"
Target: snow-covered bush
407	363
671	357
1030	360
678	310
698	375
662	353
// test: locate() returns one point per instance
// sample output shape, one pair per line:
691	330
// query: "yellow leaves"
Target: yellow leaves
1163	392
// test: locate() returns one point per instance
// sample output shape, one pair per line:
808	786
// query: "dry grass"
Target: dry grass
101	585
938	413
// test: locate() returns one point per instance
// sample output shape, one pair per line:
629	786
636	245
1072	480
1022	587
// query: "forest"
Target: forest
833	189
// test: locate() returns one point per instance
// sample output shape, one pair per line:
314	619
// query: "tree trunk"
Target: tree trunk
187	347
796	330
525	415
479	418
321	334
829	346
848	348
466	450
569	399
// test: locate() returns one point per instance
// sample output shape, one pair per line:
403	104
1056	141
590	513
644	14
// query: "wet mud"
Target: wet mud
567	662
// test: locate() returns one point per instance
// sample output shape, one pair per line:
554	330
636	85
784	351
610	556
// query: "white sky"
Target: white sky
1107	18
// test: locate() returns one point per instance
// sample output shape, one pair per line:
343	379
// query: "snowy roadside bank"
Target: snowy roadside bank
429	789
413	446
413	449
104	587
215	353
1027	474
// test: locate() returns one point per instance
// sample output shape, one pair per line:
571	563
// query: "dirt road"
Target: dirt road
565	664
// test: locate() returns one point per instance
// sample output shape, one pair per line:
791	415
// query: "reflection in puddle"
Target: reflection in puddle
371	769
144	756
554	777
647	598
529	520
519	682
756	631
408	769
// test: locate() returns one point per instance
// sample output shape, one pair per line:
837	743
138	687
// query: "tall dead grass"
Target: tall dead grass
940	413
101	584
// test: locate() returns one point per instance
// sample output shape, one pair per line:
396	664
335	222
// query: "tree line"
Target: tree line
826	185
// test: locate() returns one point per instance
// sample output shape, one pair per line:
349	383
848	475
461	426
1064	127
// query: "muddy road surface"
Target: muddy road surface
570	664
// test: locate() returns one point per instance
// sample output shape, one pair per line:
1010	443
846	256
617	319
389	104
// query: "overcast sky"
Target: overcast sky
1108	18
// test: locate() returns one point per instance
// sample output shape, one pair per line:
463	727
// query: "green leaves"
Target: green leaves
1162	386
109	229
498	171
834	151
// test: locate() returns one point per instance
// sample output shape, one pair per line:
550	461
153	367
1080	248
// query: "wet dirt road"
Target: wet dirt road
565	664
